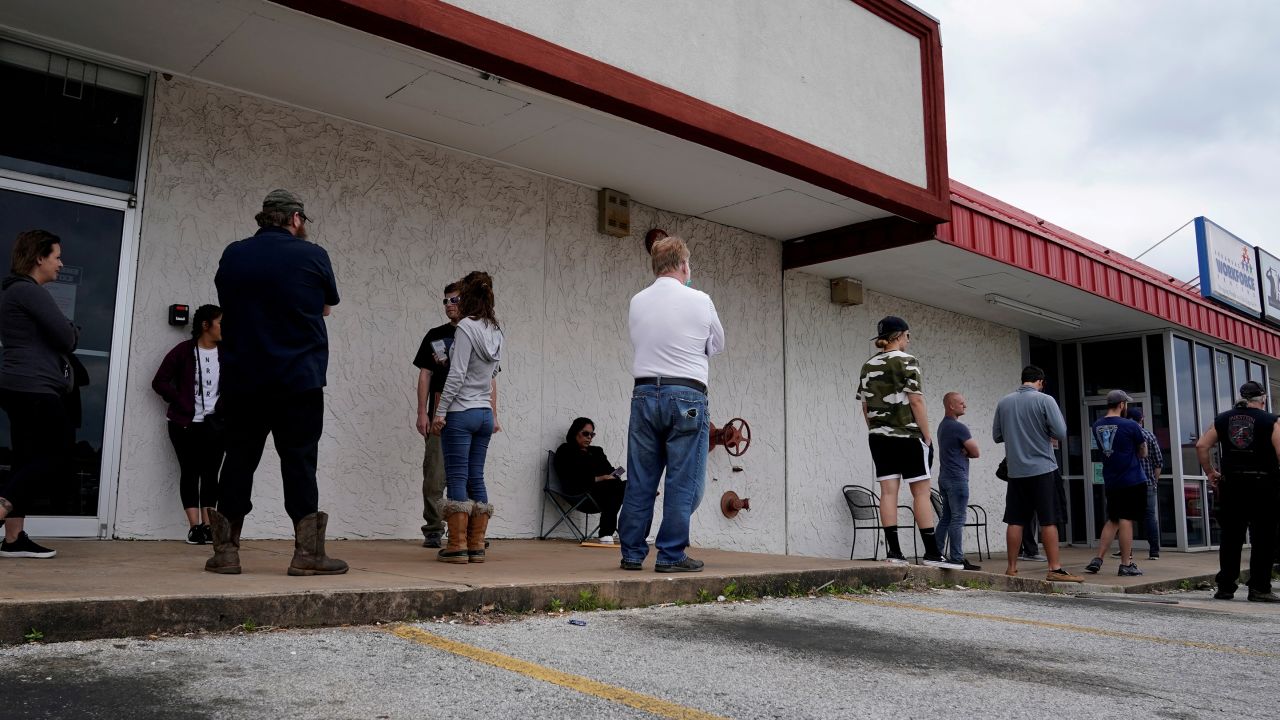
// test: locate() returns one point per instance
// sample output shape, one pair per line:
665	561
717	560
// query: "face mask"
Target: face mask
688	283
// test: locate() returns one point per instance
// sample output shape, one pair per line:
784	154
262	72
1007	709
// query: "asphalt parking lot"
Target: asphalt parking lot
905	654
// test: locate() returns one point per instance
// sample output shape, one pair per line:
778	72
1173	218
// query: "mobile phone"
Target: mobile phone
619	471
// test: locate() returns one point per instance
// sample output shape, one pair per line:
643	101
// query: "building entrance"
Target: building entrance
88	291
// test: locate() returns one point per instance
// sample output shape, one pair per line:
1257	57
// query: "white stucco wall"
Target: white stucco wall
827	436
400	219
825	71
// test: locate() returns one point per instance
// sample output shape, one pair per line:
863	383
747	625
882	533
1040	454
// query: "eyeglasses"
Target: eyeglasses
452	300
587	434
303	216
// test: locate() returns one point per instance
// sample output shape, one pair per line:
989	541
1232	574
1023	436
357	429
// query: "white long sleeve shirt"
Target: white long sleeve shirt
674	331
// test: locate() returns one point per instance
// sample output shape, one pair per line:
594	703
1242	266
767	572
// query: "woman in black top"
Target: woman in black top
583	468
35	377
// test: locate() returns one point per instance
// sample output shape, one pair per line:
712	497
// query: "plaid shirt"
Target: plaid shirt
1154	458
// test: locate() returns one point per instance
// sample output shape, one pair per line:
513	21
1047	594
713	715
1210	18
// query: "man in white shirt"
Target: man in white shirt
674	332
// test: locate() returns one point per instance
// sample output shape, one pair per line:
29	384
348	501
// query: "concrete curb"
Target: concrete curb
131	616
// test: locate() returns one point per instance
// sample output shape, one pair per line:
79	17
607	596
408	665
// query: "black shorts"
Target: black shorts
1127	503
1031	496
899	458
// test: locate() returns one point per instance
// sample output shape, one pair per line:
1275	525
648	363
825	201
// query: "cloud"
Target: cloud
1119	121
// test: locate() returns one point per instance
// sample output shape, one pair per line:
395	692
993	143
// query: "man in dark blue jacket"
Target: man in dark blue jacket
275	289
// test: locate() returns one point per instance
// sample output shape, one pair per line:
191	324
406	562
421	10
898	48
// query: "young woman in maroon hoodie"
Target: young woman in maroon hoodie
188	381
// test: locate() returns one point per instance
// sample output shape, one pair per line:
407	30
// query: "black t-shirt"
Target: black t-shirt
433	354
578	470
1245	435
273	288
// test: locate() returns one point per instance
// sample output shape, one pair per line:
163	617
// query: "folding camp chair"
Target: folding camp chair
565	502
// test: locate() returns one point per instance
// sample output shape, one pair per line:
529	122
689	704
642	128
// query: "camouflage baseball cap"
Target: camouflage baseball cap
280	199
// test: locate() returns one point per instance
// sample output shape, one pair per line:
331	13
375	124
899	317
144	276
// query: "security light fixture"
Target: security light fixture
1033	310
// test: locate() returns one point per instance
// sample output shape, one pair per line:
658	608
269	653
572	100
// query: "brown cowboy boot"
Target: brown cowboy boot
476	527
456	513
308	548
226	544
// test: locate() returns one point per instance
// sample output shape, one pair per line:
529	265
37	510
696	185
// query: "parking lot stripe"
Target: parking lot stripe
1062	626
578	683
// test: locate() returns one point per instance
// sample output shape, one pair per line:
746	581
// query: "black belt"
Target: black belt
682	382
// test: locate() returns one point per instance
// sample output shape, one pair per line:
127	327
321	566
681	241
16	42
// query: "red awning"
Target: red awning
988	227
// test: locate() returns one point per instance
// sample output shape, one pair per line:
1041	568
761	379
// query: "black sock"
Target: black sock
930	543
891	540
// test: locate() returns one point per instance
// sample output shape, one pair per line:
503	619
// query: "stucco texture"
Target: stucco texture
760	59
400	219
827	436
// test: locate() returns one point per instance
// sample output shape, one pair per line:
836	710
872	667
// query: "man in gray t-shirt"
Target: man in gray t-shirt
955	446
1025	421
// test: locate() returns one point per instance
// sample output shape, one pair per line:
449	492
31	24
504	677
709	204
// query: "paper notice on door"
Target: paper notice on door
64	290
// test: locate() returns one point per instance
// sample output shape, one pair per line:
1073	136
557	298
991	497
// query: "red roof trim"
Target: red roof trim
986	226
450	32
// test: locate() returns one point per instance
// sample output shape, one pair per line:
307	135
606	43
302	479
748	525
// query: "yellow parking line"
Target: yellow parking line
586	686
1063	626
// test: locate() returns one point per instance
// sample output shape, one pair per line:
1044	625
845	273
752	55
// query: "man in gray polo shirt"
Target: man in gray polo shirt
1025	420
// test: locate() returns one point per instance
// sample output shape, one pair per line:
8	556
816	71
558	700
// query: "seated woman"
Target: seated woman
583	468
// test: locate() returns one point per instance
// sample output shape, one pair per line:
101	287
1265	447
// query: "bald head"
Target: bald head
953	403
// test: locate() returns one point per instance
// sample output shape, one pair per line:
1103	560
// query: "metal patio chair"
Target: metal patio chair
865	505
565	503
979	520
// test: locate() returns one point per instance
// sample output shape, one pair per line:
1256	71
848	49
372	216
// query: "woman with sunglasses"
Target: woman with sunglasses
583	468
466	417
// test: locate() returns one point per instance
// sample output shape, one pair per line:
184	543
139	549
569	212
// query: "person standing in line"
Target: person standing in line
275	289
466	417
1152	465
35	377
891	391
188	381
1246	485
1026	421
675	330
956	447
1122	444
432	362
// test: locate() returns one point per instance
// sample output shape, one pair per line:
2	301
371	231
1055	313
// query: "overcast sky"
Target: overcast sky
1119	121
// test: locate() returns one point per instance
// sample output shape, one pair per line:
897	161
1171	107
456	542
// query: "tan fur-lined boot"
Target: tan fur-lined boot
476	527
226	544
456	514
308	548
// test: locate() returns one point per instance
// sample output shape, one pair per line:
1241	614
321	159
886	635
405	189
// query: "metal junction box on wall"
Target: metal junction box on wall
615	213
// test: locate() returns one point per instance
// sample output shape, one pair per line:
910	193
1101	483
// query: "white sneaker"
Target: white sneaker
607	540
943	563
892	560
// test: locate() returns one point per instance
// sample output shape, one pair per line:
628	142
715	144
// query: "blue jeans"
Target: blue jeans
465	442
669	429
1153	522
955	506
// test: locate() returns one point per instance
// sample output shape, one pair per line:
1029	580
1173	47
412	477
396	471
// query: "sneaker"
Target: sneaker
1033	558
1094	565
688	564
1153	557
433	540
631	565
1268	597
1061	575
195	536
25	547
1224	595
970	566
1130	570
207	532
607	540
940	562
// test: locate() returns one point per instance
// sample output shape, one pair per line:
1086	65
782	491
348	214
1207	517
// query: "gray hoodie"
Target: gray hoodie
473	364
37	339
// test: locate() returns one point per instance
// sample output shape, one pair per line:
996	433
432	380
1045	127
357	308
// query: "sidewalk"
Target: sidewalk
97	589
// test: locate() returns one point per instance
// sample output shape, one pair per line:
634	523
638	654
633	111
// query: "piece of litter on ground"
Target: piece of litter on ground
579	623
720	598
960	587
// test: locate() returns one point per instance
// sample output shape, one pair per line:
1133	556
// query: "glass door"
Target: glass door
77	503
